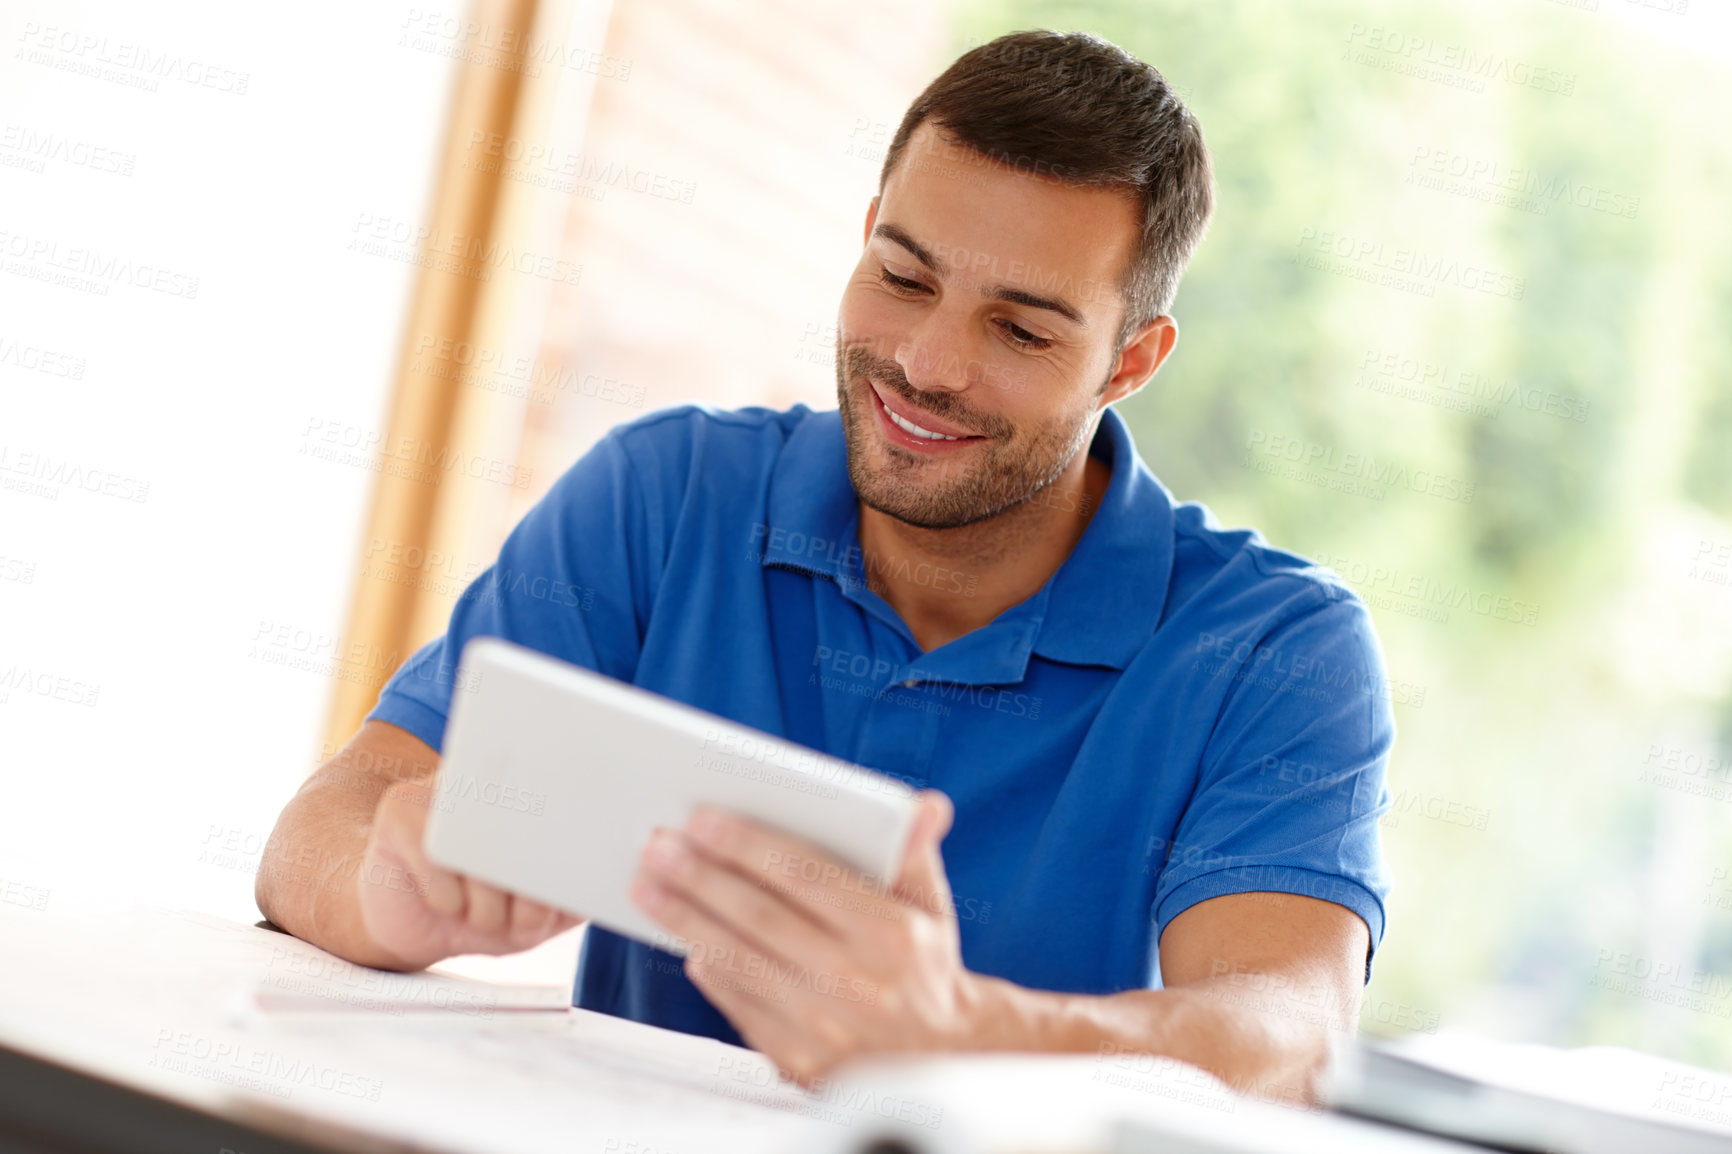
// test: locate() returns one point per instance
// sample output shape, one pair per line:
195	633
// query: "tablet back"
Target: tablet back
553	778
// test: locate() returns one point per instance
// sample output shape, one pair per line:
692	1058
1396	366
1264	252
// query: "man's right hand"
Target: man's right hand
372	896
419	913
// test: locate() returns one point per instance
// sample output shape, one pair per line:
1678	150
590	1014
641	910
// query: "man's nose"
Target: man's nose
933	354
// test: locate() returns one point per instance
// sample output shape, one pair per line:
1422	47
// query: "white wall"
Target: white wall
149	727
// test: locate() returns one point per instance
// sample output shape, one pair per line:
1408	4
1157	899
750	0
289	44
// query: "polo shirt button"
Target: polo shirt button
909	684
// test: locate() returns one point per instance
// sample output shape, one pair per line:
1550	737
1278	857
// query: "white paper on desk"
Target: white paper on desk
1115	1102
976	1104
300	976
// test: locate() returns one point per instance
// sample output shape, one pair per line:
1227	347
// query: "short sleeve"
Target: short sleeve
575	579
1292	781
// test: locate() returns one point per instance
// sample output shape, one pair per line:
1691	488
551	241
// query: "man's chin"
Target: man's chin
916	518
916	503
889	481
901	482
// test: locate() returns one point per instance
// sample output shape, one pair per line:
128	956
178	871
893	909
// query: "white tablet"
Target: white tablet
553	778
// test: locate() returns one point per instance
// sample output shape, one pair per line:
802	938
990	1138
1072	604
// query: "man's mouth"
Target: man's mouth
925	431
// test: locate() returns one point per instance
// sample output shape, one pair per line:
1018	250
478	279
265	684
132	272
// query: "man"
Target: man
1151	751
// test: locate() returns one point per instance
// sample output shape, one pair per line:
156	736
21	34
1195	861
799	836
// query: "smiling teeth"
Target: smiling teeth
916	430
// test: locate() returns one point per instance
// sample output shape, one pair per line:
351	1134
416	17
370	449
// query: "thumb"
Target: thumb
922	880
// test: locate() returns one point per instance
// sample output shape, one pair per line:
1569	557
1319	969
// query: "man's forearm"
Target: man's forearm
1264	1035
313	861
307	874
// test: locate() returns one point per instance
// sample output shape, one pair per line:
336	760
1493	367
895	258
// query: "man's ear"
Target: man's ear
871	215
1148	347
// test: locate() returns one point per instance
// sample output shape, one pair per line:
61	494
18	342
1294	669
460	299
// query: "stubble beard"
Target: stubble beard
1003	473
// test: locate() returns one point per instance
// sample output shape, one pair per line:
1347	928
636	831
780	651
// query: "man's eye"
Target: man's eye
1023	337
899	282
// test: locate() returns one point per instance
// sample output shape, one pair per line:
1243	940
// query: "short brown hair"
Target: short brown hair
1089	113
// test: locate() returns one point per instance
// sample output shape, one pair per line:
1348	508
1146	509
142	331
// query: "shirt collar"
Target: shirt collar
1108	595
1099	608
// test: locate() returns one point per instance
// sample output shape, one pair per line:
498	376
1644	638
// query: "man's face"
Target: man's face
983	309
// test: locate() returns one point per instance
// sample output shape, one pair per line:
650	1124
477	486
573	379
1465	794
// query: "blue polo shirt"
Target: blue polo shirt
1181	712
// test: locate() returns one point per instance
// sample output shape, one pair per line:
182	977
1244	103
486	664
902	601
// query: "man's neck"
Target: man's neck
948	582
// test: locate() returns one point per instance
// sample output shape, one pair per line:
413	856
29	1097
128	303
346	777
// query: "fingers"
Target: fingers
486	912
400	822
723	964
823	888
482	917
922	879
532	922
445	893
942	810
489	920
754	911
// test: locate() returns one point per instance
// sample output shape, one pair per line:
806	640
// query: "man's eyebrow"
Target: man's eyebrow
999	292
898	235
1015	296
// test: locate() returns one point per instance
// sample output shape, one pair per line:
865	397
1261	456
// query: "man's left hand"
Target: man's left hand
812	961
